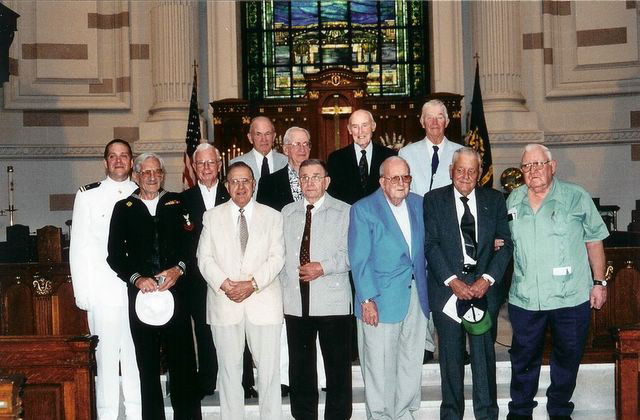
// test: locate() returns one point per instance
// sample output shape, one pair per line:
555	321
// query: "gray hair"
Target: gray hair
310	162
137	164
392	159
369	114
434	103
469	151
533	146
287	134
206	146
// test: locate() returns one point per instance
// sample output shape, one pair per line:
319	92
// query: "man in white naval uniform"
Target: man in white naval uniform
99	291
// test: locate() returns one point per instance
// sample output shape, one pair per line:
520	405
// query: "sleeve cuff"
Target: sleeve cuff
134	277
447	281
488	278
182	267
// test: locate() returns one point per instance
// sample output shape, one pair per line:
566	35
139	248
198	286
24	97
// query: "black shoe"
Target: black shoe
206	391
428	356
512	416
559	417
250	392
467	360
284	390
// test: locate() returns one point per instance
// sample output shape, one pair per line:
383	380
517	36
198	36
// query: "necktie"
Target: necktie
434	164
243	231
264	171
363	167
468	228
305	258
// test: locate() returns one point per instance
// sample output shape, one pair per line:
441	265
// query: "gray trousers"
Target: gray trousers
391	363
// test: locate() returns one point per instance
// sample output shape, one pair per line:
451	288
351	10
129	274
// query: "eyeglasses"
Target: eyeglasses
304	145
203	163
315	179
528	167
239	181
395	180
150	172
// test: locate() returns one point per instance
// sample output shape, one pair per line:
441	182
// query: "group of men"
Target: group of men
401	242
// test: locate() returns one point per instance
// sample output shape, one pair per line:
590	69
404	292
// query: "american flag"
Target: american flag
193	137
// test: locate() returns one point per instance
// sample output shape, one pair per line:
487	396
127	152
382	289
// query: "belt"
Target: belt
468	268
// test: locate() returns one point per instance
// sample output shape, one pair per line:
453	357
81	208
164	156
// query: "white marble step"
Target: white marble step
594	395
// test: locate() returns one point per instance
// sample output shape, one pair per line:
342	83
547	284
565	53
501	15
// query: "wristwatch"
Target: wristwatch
366	301
602	283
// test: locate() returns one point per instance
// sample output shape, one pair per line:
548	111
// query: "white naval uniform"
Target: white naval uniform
100	292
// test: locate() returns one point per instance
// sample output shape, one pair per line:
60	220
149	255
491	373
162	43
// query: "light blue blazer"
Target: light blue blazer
381	265
417	156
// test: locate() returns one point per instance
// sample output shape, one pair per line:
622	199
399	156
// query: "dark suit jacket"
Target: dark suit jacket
132	250
274	189
345	176
443	247
194	206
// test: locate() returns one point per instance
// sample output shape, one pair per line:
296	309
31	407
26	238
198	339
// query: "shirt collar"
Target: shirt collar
471	196
204	188
316	205
369	149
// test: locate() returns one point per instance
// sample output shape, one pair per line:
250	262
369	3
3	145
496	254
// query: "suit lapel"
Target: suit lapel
482	211
451	215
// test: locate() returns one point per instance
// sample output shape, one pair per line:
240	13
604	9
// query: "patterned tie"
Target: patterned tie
363	167
305	258
434	165
468	228
264	171
243	231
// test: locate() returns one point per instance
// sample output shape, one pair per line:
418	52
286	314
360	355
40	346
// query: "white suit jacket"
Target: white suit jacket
329	294
94	282
417	156
219	258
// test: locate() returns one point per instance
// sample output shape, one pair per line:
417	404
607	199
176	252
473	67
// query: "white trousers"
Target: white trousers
264	344
115	352
391	363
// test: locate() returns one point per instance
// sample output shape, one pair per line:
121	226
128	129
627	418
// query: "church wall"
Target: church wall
57	115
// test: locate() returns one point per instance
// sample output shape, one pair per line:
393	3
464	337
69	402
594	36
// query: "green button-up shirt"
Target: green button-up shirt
551	267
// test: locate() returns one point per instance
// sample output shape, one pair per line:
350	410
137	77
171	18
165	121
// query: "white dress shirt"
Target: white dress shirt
357	149
208	195
401	214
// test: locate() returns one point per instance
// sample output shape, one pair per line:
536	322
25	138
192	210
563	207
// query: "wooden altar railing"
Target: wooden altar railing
627	372
43	336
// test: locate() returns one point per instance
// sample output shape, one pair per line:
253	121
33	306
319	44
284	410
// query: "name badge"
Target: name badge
512	214
562	271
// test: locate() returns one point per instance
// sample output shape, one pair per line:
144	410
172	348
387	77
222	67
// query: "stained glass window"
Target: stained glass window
283	40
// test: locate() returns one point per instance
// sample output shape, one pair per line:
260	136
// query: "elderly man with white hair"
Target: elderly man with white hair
147	249
558	277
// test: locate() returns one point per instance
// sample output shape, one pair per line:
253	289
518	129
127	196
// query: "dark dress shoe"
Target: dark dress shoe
428	356
207	391
250	392
284	389
512	416
467	358
559	417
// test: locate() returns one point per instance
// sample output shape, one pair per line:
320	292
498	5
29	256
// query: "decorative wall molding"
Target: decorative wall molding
574	138
581	69
51	78
63	152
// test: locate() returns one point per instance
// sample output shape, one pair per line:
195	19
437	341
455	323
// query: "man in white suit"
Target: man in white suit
97	288
262	159
240	254
317	295
429	161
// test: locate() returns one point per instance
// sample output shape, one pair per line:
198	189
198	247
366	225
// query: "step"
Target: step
594	395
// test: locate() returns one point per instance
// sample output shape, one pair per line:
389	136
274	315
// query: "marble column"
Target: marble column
497	41
174	46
